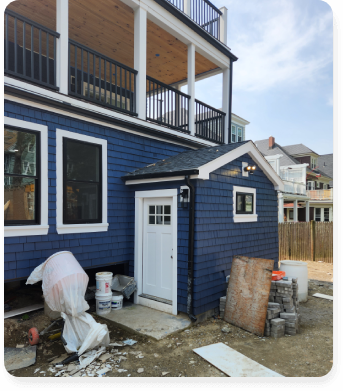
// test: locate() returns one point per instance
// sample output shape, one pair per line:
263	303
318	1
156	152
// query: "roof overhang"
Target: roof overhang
204	171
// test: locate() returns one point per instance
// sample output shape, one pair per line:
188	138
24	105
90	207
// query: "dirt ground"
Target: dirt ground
306	354
320	271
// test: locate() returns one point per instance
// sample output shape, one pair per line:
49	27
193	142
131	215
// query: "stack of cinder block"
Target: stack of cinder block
278	327
283	296
222	306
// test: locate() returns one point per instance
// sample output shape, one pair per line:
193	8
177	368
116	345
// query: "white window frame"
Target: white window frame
239	128
244	218
43	227
313	162
312	185
79	228
235	132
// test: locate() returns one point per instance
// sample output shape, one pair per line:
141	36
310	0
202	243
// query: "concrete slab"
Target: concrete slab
147	321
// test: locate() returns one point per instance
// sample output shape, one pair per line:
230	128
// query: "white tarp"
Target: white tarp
64	286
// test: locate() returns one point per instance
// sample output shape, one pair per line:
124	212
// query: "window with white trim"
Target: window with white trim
25	178
81	183
233	133
244	204
239	134
313	162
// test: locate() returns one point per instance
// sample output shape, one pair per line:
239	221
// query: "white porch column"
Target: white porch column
280	207
225	102
62	60
187	7
295	211
307	211
140	33
191	86
223	25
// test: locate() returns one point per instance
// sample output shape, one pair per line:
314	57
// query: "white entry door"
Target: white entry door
158	247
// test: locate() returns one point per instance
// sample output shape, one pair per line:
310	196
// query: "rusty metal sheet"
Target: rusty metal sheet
248	293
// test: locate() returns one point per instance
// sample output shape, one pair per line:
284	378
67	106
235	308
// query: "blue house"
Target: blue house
106	156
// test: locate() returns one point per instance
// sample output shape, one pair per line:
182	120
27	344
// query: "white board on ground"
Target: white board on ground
233	363
321	296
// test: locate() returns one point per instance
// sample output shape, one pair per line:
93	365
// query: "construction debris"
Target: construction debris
16	358
321	296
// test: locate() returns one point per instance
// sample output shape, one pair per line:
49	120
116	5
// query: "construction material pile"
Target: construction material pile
283	304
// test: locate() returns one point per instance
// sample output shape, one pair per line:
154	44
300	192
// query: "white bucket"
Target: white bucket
103	303
117	301
103	283
297	269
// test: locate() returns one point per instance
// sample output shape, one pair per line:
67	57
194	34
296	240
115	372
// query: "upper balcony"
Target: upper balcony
320	195
119	55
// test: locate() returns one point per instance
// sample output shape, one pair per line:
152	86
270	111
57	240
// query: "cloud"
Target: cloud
278	42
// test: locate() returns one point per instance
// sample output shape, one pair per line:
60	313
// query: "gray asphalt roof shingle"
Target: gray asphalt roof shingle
328	167
183	162
297	149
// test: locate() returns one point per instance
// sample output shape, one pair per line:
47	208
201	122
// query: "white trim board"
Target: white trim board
138	246
322	296
233	363
43	227
52	95
78	228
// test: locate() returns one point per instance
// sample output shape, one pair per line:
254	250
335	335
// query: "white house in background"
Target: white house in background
307	194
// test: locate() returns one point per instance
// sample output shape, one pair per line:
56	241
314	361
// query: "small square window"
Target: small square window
166	220
159	209
159	220
244	203
151	209
151	219
167	209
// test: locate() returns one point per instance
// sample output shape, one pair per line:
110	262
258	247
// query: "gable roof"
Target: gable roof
298	149
200	163
325	164
286	159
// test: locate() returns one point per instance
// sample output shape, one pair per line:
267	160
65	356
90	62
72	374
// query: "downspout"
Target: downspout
190	282
230	102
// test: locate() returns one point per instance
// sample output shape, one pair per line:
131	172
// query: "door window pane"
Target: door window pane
160	214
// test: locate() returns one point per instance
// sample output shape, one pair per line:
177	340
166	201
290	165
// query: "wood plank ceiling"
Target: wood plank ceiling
107	26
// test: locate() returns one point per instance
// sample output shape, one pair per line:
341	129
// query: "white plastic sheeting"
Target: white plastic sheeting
64	286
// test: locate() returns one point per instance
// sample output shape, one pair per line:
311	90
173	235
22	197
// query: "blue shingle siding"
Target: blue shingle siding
218	238
126	152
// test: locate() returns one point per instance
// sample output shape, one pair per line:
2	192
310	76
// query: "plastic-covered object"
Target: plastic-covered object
64	286
64	283
83	333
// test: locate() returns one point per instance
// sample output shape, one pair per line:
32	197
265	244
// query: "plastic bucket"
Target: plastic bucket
103	283
103	303
117	301
297	269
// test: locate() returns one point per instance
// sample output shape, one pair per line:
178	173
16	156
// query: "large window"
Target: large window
326	214
21	176
239	134
233	134
81	182
25	178
244	203
317	216
81	178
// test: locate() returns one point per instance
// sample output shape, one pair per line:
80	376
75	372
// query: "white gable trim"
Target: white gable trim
254	153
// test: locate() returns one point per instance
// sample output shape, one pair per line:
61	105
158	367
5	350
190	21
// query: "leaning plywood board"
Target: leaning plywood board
248	293
321	296
233	363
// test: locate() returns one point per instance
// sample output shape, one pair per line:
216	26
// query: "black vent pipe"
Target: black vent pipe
190	282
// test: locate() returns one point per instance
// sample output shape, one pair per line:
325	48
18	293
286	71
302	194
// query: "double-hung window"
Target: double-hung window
81	183
25	178
239	134
233	134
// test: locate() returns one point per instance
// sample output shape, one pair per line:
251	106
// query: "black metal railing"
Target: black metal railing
204	13
99	79
209	122
30	50
167	105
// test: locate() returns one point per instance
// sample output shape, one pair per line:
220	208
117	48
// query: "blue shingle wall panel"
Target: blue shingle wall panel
218	238
126	152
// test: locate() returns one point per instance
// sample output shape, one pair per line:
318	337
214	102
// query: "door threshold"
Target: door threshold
159	299
151	302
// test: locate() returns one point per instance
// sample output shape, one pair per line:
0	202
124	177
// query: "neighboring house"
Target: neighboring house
113	178
308	191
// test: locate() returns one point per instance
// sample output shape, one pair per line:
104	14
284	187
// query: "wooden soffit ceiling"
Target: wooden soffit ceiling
107	26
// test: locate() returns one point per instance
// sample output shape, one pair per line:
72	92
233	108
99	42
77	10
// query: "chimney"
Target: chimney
271	142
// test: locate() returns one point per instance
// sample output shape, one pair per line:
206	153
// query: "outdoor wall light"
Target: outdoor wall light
250	169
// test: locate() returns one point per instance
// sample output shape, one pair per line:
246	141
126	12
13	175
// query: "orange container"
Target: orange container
277	275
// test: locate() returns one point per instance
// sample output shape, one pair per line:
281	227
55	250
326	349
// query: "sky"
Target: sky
283	79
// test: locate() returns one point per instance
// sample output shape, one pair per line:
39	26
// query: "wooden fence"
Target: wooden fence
312	241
